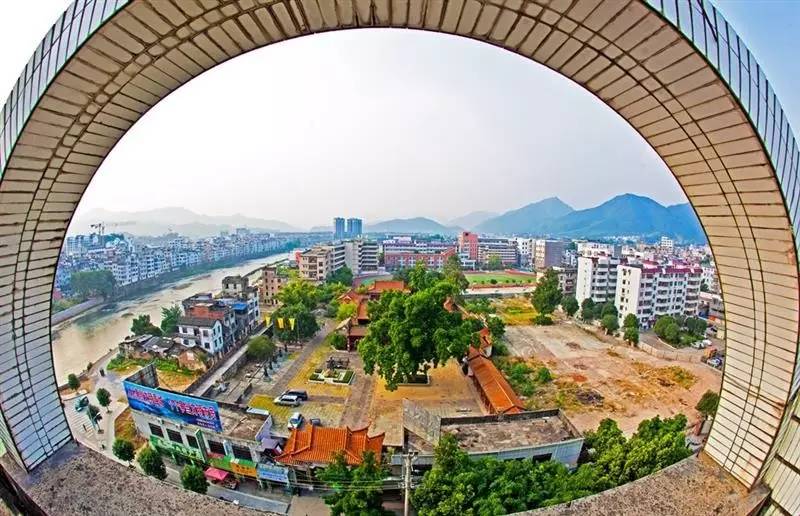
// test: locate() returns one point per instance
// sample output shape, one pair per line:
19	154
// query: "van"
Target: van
289	400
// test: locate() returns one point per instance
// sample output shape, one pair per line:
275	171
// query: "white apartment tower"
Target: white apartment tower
597	278
650	291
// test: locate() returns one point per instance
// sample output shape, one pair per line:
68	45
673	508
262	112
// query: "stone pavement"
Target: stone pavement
289	373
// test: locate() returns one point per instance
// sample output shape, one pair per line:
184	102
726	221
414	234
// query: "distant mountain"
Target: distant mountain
321	229
179	220
415	225
629	214
470	220
528	219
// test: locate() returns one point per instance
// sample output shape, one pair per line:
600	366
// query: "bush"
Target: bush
543	375
493	281
73	382
123	450
708	404
542	320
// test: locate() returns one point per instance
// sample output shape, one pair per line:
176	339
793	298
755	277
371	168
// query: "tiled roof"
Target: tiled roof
361	313
318	445
381	286
485	337
499	394
351	296
203	322
357	331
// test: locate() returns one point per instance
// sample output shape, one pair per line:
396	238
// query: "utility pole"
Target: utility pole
408	458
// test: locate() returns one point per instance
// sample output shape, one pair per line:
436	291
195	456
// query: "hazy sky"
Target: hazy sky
385	123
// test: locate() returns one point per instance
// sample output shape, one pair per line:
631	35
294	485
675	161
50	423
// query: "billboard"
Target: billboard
171	405
273	472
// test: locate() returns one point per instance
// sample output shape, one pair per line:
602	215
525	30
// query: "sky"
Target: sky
381	124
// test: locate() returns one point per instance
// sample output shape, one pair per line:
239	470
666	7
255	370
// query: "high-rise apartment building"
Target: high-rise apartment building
650	291
355	228
361	255
339	230
597	278
598	249
548	253
472	247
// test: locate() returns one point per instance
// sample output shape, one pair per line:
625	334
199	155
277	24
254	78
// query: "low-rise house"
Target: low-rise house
357	324
272	282
203	332
315	446
496	393
145	346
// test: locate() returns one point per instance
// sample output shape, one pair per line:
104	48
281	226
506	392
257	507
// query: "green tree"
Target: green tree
151	463
610	323
454	273
94	414
659	328
169	318
543	375
346	311
337	341
103	398
305	322
142	325
696	326
260	348
708	403
631	334
547	295
672	333
410	332
422	278
631	321
193	479
356	490
587	309
73	382
570	305
343	276
493	263
86	284
299	292
123	450
608	309
496	327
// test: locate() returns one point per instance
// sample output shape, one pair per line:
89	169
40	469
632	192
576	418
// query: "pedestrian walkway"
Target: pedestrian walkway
281	382
216	375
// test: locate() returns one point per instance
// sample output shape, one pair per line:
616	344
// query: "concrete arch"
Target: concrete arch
674	69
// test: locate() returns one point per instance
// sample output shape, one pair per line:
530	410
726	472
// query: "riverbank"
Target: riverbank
90	335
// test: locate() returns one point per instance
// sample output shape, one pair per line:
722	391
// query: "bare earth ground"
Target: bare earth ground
631	384
449	393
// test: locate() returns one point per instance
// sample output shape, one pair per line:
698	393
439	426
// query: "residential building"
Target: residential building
235	285
567	278
710	278
598	249
339	230
479	249
712	308
468	245
433	259
596	278
204	305
203	332
361	255
321	261
272	282
355	228
526	247
548	253
650	290
666	245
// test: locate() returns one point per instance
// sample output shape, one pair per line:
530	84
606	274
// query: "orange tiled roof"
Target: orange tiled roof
449	305
351	296
361	313
501	397
318	445
485	337
357	331
381	286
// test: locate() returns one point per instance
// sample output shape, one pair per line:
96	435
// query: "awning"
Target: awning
215	474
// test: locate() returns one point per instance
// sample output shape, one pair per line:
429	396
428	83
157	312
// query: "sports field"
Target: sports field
500	278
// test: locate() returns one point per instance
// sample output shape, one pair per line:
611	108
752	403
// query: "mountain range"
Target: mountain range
623	215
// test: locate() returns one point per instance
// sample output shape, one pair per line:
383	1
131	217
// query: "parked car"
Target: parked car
287	399
303	395
698	344
315	421
81	403
715	362
296	421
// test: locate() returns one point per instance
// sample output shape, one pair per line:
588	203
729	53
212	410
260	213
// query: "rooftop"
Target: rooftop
499	393
204	322
492	433
240	424
318	445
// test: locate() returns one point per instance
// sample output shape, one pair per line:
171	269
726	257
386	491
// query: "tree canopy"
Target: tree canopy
496	326
708	403
346	311
453	272
151	463
457	485
411	332
343	275
547	295
123	449
609	323
86	284
630	321
631	334
260	348
587	310
305	323
169	318
141	325
103	397
193	479
298	291
570	305
493	263
73	382
356	490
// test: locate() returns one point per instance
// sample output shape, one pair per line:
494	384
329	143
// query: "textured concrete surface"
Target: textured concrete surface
78	481
696	486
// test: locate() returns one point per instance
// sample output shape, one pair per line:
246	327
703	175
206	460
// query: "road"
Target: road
300	359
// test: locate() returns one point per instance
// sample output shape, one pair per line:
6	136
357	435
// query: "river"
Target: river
90	336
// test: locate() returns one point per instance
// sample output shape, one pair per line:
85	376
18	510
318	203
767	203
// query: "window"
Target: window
174	436
205	333
192	441
156	430
241	452
216	447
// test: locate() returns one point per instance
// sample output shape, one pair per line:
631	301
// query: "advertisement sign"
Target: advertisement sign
170	447
243	468
177	407
273	473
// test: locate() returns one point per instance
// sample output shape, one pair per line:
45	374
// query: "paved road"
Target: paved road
356	408
280	383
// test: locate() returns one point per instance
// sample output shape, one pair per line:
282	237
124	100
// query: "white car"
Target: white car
290	400
296	421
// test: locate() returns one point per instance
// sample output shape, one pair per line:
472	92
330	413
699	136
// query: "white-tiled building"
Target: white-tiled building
204	332
651	290
596	278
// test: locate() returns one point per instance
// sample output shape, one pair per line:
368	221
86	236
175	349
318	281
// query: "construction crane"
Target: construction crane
100	227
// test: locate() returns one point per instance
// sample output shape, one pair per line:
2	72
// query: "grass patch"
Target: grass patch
515	311
525	378
666	376
125	429
122	364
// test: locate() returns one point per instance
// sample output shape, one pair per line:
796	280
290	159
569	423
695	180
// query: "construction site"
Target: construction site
595	376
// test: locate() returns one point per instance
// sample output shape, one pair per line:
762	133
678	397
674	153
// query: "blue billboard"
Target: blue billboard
178	407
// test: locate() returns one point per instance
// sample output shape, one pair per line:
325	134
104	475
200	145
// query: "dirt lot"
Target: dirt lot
598	377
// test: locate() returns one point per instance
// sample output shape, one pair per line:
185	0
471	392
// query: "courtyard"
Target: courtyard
596	377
